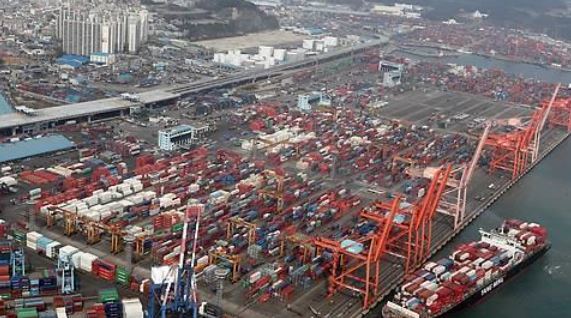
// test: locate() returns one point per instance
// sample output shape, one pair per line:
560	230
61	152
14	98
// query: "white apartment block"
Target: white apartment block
111	32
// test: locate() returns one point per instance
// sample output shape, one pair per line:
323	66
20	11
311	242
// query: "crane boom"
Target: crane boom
467	175
382	239
541	124
546	114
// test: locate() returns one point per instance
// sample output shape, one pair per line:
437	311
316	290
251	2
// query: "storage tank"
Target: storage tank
280	54
266	51
308	44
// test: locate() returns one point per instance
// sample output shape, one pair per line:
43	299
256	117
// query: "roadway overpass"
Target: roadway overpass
46	118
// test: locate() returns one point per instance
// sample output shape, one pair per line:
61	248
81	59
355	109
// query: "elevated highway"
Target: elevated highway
15	123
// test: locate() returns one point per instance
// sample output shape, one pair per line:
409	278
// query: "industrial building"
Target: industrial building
391	73
181	135
102	58
83	32
269	56
308	101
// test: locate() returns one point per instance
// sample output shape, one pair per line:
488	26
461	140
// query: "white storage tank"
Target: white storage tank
266	51
280	54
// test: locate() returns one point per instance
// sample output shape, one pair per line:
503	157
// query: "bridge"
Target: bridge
46	118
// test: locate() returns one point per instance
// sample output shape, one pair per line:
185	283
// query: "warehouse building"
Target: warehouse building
182	135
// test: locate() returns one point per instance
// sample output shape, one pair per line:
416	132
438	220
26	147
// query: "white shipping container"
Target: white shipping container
136	199
33	235
464	269
432	286
132	308
487	264
432	299
76	259
439	269
149	195
429	266
464	256
425	284
193	188
105	197
513	232
61	313
86	260
254	277
138	187
445	276
488	274
478	262
67	251
91	201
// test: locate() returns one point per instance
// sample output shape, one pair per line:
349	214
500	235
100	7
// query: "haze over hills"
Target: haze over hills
552	17
217	18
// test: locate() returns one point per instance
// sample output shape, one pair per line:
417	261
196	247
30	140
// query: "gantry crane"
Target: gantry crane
238	222
268	144
17	261
543	115
215	257
356	264
408	161
453	202
514	151
73	222
278	193
173	288
297	240
560	115
66	272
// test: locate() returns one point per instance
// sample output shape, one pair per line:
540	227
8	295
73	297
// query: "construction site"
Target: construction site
281	207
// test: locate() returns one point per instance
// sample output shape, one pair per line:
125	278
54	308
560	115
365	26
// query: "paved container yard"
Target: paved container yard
404	126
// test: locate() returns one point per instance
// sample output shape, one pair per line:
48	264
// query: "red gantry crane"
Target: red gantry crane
560	115
514	151
453	201
403	230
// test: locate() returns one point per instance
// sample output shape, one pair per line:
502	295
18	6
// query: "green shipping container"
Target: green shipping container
122	276
177	227
26	313
108	295
19	236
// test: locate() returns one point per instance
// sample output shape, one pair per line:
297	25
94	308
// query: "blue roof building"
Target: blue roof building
33	147
73	61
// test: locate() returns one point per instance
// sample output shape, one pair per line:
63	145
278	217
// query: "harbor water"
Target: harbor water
4	105
543	289
526	70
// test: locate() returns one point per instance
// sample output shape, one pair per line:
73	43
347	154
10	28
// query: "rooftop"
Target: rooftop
72	60
33	147
180	129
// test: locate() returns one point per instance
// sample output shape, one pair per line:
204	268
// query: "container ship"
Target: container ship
472	271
